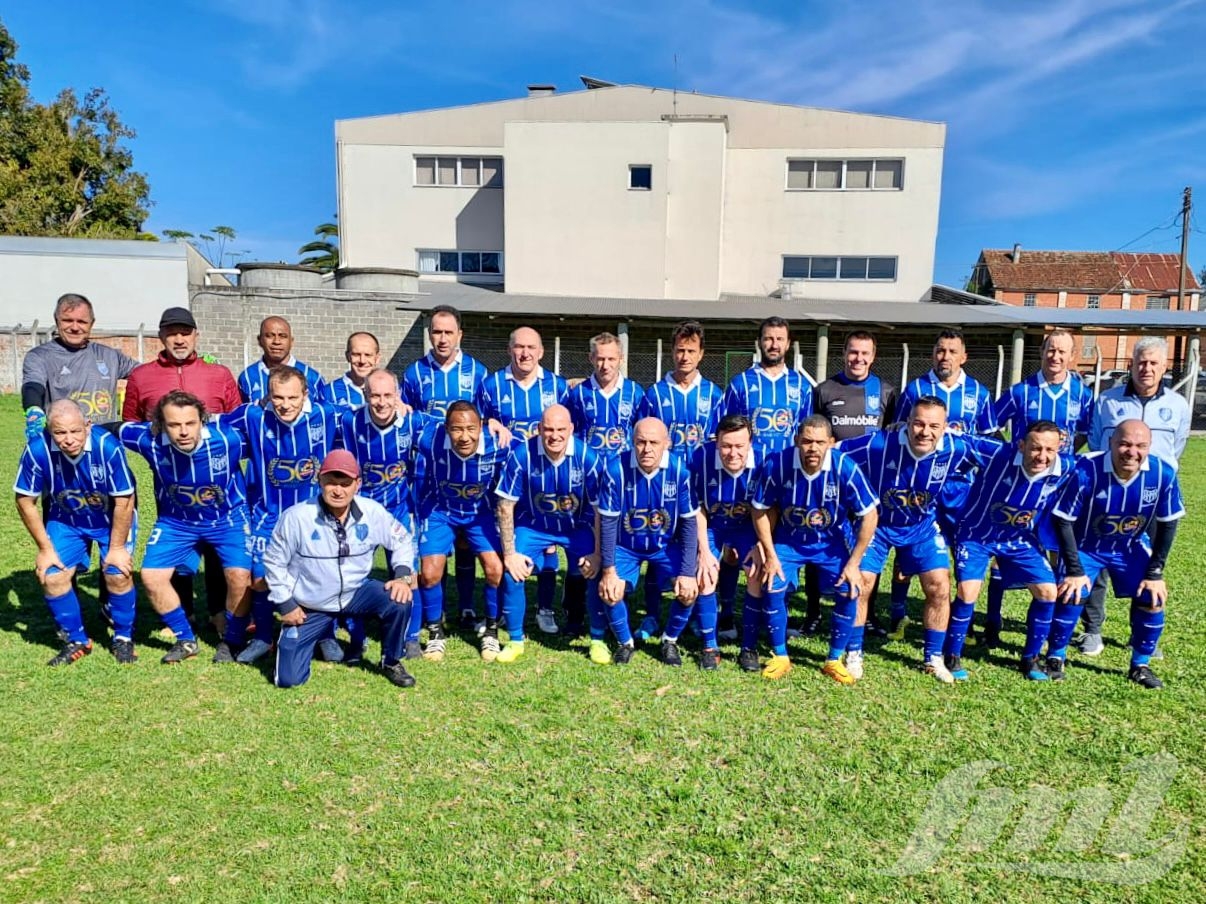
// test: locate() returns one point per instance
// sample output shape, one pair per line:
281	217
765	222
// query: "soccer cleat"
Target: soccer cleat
398	675
992	637
330	650
254	651
1055	668
670	654
649	629
434	651
1032	668
954	665
414	650
709	660
123	652
747	660
897	631
1091	645
354	655
812	626
490	647
776	667
599	653
180	651
874	628
468	620
854	664
546	621
511	652
937	668
623	654
223	653
727	628
71	651
834	669
1144	677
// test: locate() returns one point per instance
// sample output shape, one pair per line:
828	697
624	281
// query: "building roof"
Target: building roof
39	245
1098	271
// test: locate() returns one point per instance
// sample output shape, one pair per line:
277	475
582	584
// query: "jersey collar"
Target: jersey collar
291	361
307	407
694	384
1055	469
762	370
937	380
1109	466
607	393
455	362
538	375
943	444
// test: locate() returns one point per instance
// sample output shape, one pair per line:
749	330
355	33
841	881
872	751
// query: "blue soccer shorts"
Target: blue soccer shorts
913	556
828	562
1020	564
174	544
1126	569
74	544
437	535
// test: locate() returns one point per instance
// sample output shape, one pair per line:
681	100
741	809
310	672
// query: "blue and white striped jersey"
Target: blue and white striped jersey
968	403
815	510
386	456
204	486
775	405
253	381
908	487
724	497
283	459
343	393
1068	404
1111	516
78	489
430	388
458	487
649	506
604	420
689	414
519	409
1005	504
553	497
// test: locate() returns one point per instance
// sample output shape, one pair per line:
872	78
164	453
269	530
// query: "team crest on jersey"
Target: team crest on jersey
793	395
548	399
219	463
1074	409
575	476
98	473
1150	494
466	382
625	408
969	404
103	368
315	432
939	472
670	491
362	531
1166	414
704	406
872	404
831	492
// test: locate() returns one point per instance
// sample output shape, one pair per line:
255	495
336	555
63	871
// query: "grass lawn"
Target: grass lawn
553	779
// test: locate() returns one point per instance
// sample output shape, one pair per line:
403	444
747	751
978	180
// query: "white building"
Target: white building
632	192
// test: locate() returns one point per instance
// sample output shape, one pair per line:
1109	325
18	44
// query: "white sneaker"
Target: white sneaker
480	628
546	621
434	651
854	664
938	669
1091	645
490	648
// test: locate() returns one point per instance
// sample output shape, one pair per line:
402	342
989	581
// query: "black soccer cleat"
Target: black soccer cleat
72	651
748	661
670	654
709	660
1055	668
123	652
1144	677
398	675
223	653
623	654
180	651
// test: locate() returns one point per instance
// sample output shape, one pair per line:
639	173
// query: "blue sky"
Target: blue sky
1072	124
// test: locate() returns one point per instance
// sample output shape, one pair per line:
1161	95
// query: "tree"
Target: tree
325	248
65	169
215	245
1202	277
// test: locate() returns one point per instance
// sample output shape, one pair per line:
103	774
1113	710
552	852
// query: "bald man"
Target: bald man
548	494
80	473
276	343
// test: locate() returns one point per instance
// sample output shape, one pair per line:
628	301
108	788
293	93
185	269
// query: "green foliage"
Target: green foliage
65	168
215	245
324	250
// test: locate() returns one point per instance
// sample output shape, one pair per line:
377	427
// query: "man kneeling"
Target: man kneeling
318	563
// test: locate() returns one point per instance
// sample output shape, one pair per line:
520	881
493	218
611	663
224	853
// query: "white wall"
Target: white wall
695	209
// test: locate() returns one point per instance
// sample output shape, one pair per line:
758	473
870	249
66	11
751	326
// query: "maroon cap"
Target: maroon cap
341	461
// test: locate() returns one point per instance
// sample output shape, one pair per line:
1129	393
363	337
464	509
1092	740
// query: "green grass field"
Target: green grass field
553	779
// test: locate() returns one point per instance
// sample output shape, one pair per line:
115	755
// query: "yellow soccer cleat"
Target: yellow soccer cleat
897	631
834	669
511	652
776	668
599	654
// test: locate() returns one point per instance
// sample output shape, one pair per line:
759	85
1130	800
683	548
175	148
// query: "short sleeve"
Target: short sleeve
31	479
510	478
1072	497
119	481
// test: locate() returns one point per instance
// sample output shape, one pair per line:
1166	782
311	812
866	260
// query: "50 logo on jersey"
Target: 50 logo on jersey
646	521
208	496
773	420
608	439
98	403
554	504
80	500
732	511
1119	525
468	491
904	498
1013	516
685	435
810	518
288	472
377	474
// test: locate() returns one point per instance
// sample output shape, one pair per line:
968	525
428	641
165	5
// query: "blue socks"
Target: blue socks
1146	628
932	645
617	617
900	599
751	621
996	599
432	599
841	624
857	634
515	606
1062	626
263	615
1038	626
597	609
177	623
466	576
121	609
66	612
236	629
653	593
679	616
416	617
957	627
776	620
705	612
490	595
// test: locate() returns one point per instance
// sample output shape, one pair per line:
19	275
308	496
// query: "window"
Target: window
1157	303
860	269
1093	302
1028	300
640	177
845	175
467	172
488	263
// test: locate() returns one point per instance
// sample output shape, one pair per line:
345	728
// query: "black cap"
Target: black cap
177	317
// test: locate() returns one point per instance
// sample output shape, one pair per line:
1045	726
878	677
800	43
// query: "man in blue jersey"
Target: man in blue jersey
1118	515
201	498
456	468
647	515
819	493
1054	394
276	343
80	473
907	470
548	493
722	475
773	396
363	354
287	437
516	396
1010	499
383	439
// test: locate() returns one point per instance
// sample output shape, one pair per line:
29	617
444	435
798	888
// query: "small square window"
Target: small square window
491	262
795	268
446	170
470	171
449	262
425	170
853	268
492	172
1029	300
640	177
888	173
1093	302
799	173
881	268
824	267
1157	303
858	174
829	174
471	262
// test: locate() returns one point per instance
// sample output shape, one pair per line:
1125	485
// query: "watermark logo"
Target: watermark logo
1026	831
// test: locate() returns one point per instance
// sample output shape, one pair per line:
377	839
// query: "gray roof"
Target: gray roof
38	245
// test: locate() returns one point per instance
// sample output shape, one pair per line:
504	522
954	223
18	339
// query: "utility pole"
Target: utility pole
1186	206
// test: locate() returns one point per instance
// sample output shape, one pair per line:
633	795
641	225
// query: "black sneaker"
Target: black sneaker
123	652
71	651
709	660
1032	668
398	675
1144	677
414	650
468	620
748	660
180	651
992	637
573	630
223	653
812	626
670	654
726	628
623	654
1055	668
